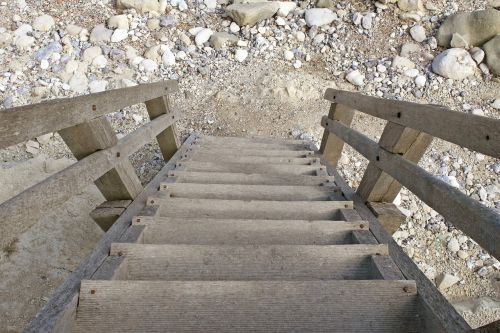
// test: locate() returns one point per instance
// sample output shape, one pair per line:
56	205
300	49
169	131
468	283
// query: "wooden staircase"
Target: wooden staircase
249	235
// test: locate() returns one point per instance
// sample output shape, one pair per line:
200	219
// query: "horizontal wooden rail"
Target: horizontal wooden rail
479	222
26	122
478	133
23	210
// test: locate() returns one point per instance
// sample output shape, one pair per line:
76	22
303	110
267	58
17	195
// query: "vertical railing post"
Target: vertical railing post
332	146
167	140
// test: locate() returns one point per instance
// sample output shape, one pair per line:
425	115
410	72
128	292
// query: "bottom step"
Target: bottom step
248	306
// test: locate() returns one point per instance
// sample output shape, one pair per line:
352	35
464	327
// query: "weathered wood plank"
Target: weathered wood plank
384	268
268	169
479	222
119	183
168	139
376	184
26	122
107	213
438	314
478	133
363	237
331	146
22	211
59	305
389	216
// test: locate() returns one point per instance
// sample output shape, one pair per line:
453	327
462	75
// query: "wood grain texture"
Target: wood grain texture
251	192
248	306
204	231
478	133
383	267
248	179
26	122
438	315
377	185
230	140
225	151
53	313
246	262
455	206
332	146
239	209
202	157
269	169
22	211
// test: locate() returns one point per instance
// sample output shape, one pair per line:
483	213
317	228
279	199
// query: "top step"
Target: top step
255	139
265	144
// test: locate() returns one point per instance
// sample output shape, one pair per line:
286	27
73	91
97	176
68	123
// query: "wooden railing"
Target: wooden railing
102	158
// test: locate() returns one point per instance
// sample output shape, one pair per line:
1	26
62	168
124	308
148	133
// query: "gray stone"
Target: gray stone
167	21
456	64
79	83
319	16
118	22
286	7
325	4
251	13
355	77
494	3
457	40
101	34
143	6
46	52
402	63
453	245
475	27
445	281
5	39
477	54
222	39
44	23
417	32
410	5
492	51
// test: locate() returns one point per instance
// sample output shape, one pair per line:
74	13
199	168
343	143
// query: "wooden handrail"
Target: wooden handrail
479	222
22	211
481	134
26	122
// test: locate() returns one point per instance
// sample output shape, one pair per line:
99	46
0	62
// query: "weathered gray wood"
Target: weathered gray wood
350	215
389	216
248	306
384	268
479	222
53	312
26	122
251	192
119	183
363	237
436	312
331	146
201	157
23	210
168	139
248	179
226	151
205	231
107	213
478	133
238	209
281	169
246	262
231	140
377	185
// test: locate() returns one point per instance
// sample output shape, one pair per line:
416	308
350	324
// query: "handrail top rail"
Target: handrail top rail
26	122
478	133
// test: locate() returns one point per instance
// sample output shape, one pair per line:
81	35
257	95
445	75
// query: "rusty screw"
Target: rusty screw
94	107
361	226
92	291
118	154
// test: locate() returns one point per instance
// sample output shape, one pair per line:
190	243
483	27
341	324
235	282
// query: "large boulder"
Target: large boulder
476	28
251	13
143	6
492	51
456	64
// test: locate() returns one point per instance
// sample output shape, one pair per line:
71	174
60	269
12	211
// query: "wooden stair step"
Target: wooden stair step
251	139
201	157
247	262
240	209
161	230
248	179
248	306
281	169
222	151
252	192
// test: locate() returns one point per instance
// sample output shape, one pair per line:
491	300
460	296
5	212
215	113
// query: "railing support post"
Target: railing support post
378	186
168	139
331	145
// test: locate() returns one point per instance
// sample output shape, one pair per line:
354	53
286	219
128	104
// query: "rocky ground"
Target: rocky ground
245	69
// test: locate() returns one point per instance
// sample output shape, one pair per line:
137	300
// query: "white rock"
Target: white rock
149	65
381	68
496	104
319	16
72	66
100	61
445	281
367	21
297	64
91	53
240	55
355	77
73	29
119	35
462	254
286	7
44	23
300	36
203	36
420	81
118	22
417	32
211	4
477	54
44	64
79	83
24	42
288	55
455	64
280	21
453	245
411	72
23	30
402	63
98	86
168	58
101	34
